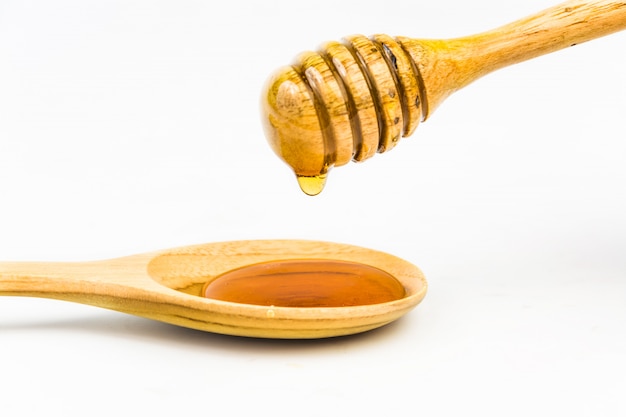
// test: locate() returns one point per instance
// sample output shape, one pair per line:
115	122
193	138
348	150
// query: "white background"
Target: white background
133	126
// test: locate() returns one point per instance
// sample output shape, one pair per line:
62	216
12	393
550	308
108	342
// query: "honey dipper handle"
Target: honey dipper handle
448	65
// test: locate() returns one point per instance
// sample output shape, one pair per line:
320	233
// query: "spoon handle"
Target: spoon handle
82	282
39	278
448	65
120	284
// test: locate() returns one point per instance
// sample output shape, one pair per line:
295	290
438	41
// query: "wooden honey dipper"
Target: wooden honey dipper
356	98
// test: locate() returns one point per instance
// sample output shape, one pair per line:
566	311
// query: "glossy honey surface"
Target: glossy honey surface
306	283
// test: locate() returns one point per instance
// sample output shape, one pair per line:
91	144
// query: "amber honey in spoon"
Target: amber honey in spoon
258	288
306	283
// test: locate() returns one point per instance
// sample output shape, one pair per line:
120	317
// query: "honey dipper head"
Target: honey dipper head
346	102
291	124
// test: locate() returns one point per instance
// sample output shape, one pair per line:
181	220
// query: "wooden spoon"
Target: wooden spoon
358	97
168	286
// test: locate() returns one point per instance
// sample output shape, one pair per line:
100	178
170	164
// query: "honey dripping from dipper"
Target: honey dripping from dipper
345	103
356	98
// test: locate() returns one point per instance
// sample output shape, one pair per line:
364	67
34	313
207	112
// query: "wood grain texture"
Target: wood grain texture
383	87
167	285
449	65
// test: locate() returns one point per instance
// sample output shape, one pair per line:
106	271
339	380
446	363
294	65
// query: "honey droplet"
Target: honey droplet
312	185
306	283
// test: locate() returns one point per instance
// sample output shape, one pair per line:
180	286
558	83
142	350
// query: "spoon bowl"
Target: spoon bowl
168	286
